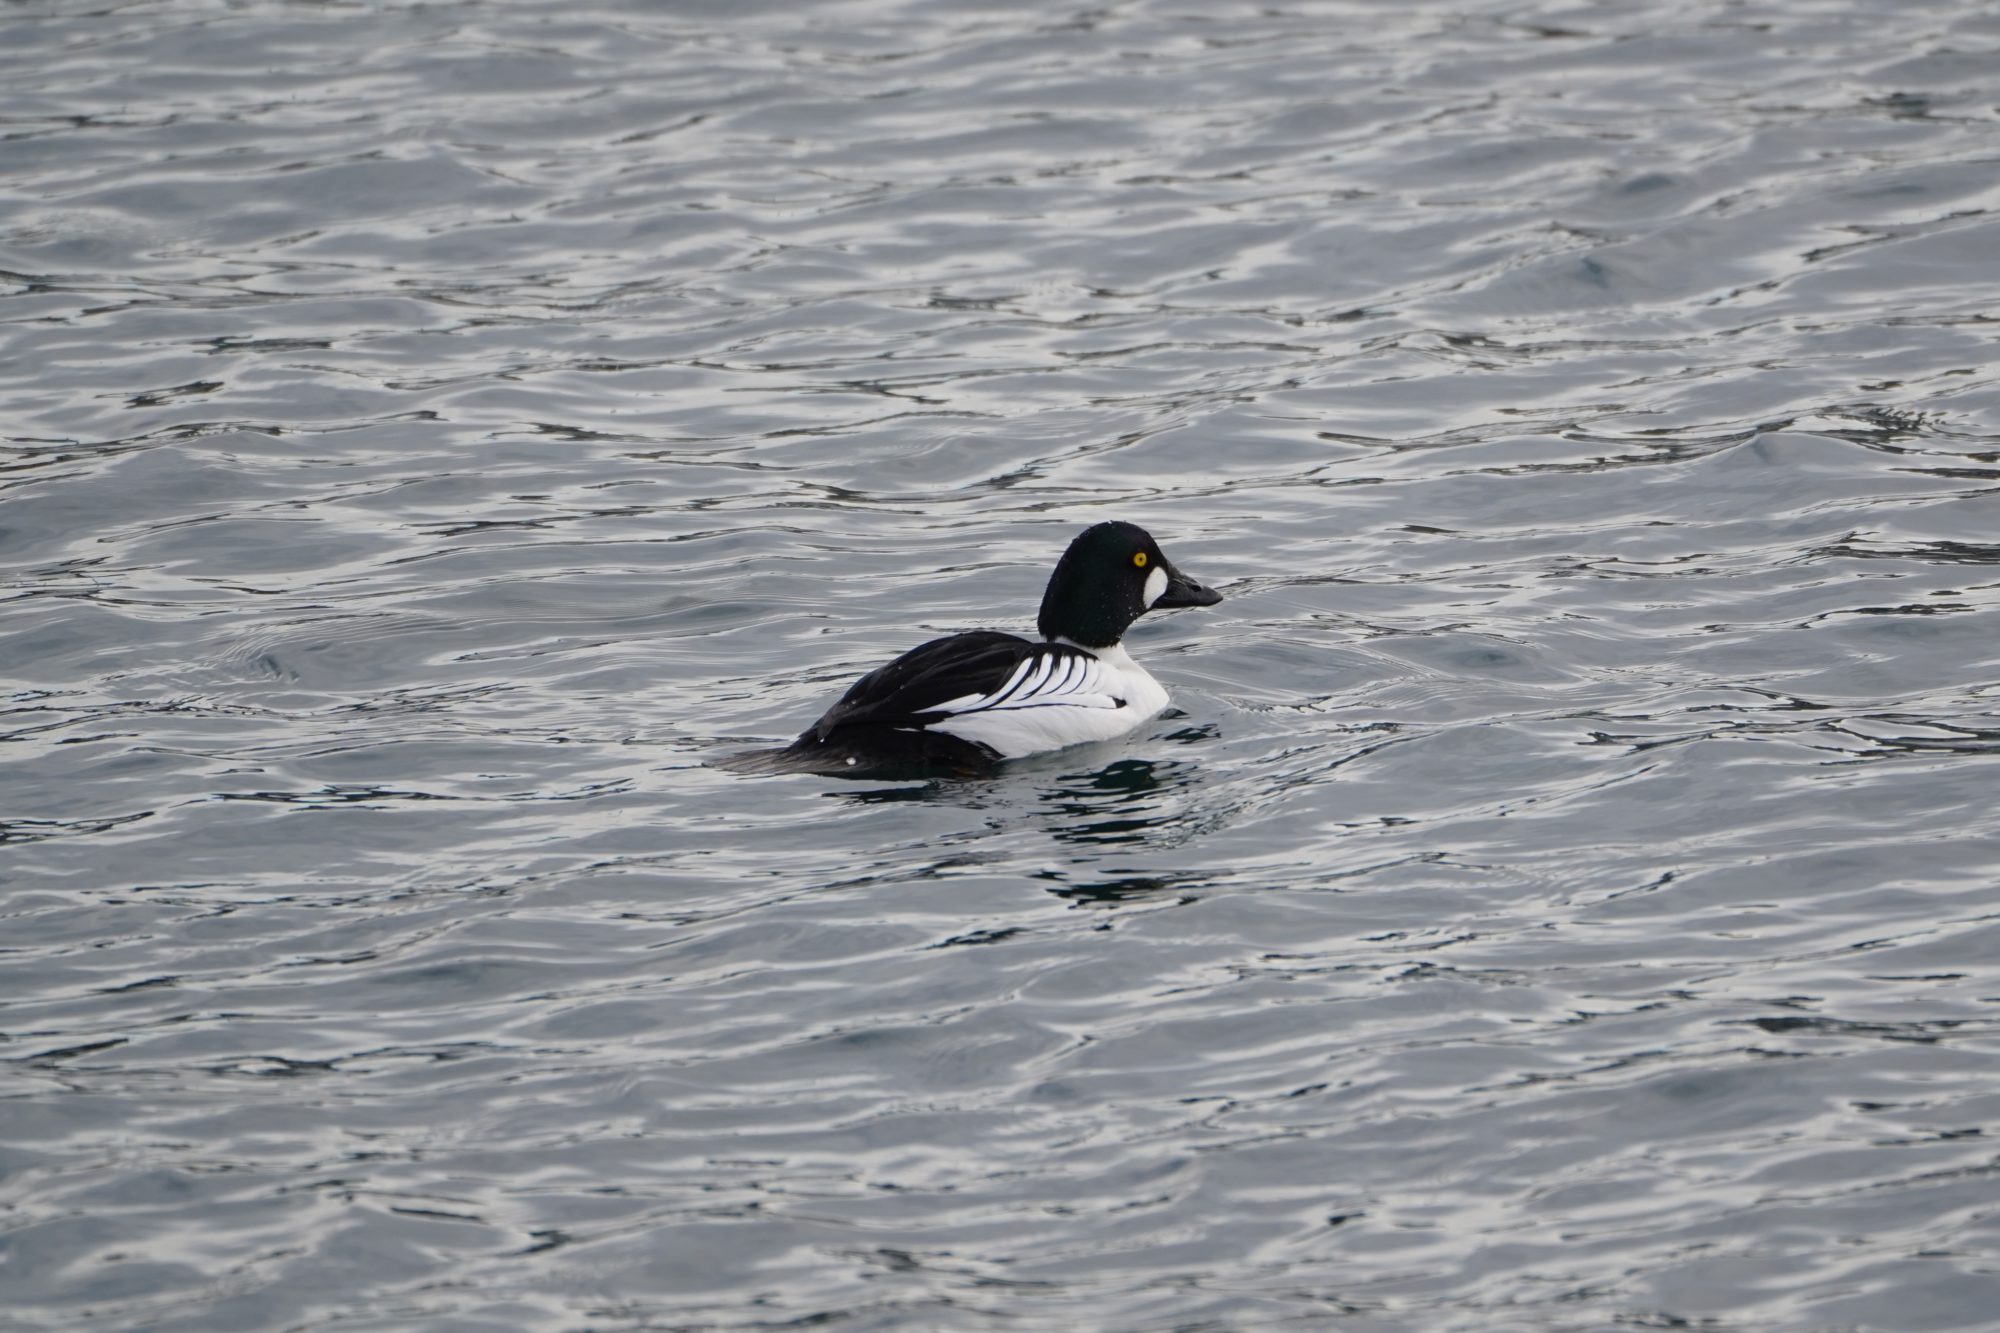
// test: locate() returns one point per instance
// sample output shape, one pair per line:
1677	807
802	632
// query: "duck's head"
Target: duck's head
1112	574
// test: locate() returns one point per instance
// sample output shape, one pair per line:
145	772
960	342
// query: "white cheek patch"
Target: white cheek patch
1156	585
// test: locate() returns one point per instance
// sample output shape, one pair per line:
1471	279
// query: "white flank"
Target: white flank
1051	701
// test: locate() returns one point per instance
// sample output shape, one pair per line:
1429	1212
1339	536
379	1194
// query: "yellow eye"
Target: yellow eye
1139	559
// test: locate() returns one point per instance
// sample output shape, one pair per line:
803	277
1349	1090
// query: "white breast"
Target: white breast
1051	702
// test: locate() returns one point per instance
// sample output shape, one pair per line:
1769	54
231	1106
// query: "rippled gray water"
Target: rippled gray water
1564	896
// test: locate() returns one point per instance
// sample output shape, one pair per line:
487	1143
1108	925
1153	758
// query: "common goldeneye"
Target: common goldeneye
964	701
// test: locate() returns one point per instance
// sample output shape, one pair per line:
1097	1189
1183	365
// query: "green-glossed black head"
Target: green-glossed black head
1112	574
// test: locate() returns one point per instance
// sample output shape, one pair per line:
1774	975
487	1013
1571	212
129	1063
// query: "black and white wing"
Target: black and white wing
1049	676
1056	696
983	672
962	701
907	691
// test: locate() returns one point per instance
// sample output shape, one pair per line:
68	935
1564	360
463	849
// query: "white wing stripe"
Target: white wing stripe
1014	683
1060	671
1043	670
1044	680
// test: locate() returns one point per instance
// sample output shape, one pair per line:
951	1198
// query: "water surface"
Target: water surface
1562	897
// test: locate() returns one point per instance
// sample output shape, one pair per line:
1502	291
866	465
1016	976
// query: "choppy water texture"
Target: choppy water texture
1564	896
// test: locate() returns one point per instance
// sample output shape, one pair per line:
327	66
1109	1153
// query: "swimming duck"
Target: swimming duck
967	700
